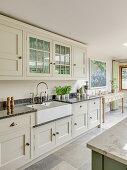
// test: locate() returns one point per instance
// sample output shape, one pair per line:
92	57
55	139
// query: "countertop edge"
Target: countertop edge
105	153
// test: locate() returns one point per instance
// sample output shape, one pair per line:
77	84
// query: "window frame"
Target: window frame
120	77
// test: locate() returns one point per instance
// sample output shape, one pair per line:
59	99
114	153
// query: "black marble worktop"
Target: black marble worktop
19	110
77	100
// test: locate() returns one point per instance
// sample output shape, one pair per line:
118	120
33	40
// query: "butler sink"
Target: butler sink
50	111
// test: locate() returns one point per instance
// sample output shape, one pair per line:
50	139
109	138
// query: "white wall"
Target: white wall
22	89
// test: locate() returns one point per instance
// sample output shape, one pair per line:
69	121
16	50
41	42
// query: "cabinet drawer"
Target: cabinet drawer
14	123
79	108
94	104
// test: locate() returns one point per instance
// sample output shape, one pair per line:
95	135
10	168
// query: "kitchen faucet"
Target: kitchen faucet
41	92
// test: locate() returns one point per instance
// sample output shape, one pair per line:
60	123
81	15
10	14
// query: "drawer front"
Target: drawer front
94	104
79	108
14	123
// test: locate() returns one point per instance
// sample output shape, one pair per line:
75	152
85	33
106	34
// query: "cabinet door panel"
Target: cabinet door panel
44	138
79	63
63	131
14	151
10	51
79	124
93	118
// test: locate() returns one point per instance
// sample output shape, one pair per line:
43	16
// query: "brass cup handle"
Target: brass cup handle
53	134
57	133
27	144
13	124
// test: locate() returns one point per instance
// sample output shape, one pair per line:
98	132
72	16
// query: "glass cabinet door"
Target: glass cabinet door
62	60
39	55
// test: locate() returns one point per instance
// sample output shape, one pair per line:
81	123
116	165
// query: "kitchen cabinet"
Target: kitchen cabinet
79	124
94	111
79	120
63	131
79	63
62	60
15	149
11	56
49	136
39	56
44	138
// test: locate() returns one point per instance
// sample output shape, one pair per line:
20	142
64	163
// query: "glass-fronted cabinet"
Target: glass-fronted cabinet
39	56
62	59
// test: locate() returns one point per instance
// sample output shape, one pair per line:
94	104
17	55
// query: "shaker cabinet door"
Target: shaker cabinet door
15	149
79	63
63	131
10	51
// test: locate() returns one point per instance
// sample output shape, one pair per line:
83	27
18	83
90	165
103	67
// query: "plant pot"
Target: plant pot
63	96
67	96
58	97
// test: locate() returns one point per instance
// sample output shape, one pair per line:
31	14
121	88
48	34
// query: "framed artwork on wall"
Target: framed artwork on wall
97	74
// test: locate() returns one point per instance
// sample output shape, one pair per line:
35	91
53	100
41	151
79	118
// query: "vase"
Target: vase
58	97
67	96
63	96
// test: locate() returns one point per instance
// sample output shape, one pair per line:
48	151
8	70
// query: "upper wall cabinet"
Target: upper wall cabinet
10	51
62	60
39	56
79	63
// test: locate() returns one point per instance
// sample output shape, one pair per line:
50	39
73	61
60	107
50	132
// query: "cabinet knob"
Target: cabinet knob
74	64
54	63
50	63
20	57
13	124
90	117
27	144
57	133
75	123
94	103
80	106
53	134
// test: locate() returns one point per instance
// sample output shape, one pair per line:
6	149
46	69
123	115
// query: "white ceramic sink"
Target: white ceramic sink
50	111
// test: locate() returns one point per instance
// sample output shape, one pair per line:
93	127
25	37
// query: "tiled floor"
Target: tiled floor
76	156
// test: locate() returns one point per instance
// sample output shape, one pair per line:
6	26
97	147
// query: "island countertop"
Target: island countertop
112	143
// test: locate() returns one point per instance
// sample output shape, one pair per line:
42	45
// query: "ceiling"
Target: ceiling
100	23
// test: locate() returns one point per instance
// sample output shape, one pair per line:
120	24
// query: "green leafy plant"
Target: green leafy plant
114	84
63	90
68	89
58	90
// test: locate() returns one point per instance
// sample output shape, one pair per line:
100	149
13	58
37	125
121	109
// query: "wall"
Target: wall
22	89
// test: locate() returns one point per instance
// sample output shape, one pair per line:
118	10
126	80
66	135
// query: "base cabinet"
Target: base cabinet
49	136
44	138
79	124
14	149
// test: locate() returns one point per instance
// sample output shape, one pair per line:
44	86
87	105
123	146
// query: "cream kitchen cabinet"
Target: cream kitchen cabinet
79	124
62	60
15	142
44	138
11	56
49	136
94	113
39	56
79	119
63	131
79	63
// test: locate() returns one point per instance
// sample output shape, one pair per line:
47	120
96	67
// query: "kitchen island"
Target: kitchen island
109	150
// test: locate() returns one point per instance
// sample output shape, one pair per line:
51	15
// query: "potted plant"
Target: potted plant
114	85
58	92
68	90
63	92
